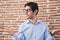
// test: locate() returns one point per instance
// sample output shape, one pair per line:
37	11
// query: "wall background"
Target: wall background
11	15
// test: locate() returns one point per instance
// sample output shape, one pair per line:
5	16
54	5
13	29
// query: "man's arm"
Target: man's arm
47	35
20	35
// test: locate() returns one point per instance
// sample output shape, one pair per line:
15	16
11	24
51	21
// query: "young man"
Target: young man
32	28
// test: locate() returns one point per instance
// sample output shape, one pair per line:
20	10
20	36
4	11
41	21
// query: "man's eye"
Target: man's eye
27	10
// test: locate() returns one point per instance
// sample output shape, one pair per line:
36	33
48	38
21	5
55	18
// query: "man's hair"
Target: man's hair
33	6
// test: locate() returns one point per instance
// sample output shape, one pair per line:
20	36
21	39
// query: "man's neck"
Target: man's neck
33	20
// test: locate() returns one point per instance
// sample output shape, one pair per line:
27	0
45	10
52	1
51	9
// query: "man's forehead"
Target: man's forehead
27	7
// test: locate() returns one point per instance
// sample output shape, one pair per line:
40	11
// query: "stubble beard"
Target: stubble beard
30	17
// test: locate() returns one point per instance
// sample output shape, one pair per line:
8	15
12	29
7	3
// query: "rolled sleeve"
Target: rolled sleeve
20	35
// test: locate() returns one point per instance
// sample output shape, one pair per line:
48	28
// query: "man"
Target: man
32	28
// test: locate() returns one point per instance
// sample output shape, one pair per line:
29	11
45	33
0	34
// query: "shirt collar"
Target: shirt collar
38	21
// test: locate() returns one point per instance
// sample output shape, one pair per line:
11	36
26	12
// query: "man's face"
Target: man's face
29	12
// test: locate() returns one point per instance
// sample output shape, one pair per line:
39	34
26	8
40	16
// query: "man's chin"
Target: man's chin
29	18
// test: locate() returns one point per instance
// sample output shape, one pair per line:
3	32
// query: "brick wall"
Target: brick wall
11	15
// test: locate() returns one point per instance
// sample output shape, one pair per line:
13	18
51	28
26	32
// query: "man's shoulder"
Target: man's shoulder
43	23
23	23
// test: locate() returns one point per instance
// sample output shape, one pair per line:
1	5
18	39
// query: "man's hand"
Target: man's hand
55	31
10	30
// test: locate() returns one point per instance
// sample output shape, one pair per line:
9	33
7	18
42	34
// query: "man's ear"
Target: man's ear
35	11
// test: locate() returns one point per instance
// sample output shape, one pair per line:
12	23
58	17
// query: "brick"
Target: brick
35	0
57	36
58	10
54	0
55	17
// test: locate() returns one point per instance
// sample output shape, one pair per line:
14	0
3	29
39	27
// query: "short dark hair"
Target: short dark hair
33	6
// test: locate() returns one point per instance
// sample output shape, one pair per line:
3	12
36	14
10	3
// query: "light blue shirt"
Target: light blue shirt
29	31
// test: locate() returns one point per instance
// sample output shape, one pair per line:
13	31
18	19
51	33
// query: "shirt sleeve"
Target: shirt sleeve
20	35
47	35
